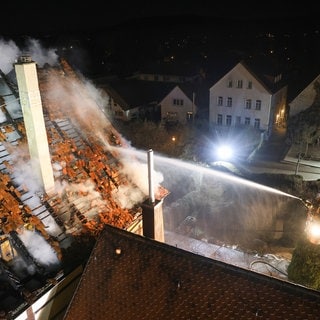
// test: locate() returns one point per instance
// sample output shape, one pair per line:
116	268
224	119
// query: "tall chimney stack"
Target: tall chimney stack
31	105
152	215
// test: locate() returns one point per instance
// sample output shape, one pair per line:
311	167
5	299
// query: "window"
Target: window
229	102
220	101
219	119
257	123
247	121
178	102
229	83
258	104
228	120
249	84
238	120
248	104
239	84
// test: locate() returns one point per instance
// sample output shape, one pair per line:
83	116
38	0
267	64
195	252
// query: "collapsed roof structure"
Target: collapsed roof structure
92	185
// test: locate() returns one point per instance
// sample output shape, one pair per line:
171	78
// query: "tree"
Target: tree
305	265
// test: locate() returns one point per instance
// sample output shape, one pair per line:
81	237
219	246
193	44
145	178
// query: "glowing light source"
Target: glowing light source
224	152
313	229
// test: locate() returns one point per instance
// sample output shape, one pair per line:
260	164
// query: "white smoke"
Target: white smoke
10	52
24	173
39	248
39	54
82	102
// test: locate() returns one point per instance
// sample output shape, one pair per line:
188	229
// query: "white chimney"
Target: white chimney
150	176
31	105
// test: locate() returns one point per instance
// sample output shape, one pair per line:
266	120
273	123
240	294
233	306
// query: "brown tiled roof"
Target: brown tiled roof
133	277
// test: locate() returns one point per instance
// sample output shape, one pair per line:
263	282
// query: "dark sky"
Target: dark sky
50	16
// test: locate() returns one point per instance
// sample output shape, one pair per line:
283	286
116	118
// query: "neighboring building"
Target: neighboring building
241	98
151	100
168	72
178	107
304	96
160	77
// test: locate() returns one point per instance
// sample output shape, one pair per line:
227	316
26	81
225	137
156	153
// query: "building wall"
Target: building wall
177	107
251	89
120	112
304	99
278	112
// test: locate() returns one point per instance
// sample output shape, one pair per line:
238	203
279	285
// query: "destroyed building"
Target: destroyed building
91	185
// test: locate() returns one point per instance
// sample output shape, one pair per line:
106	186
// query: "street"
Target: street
309	170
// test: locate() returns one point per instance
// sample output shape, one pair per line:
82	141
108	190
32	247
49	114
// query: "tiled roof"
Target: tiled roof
132	277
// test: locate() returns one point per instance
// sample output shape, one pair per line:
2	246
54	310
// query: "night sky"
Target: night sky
69	15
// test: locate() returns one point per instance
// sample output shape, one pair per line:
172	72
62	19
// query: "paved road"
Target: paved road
277	156
309	170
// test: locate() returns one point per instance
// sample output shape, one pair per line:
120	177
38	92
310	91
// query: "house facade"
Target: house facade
117	107
240	98
178	107
159	101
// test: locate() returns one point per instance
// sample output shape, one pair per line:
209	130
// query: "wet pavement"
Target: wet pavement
278	156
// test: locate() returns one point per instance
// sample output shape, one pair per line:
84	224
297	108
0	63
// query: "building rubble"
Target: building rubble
87	172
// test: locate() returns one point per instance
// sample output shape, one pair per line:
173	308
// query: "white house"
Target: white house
241	98
178	107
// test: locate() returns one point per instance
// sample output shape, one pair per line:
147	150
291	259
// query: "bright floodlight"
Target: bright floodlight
313	230
224	152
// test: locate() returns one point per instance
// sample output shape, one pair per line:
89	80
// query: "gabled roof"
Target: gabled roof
132	277
300	80
138	93
263	76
